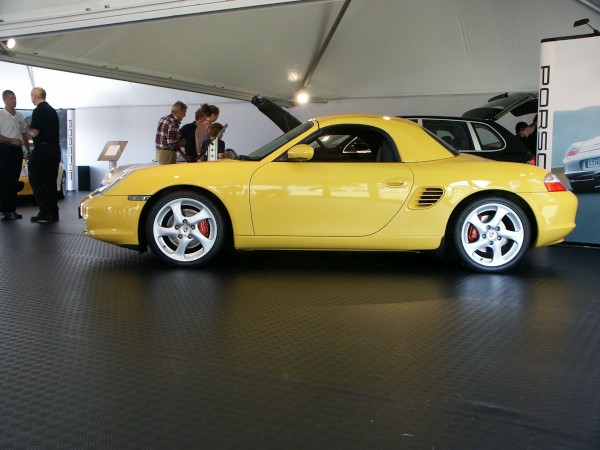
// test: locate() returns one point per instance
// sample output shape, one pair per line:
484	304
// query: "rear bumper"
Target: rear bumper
555	216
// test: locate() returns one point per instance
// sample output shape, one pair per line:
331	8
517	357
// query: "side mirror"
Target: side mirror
301	152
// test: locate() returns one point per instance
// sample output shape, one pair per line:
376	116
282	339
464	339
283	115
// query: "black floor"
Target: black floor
101	347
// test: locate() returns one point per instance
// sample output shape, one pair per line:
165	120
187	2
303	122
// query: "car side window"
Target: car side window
452	132
351	143
489	140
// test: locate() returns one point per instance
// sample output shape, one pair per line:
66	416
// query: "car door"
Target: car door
353	186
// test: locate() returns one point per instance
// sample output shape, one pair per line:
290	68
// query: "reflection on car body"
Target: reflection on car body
118	171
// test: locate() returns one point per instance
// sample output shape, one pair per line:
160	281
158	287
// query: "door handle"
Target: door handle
396	183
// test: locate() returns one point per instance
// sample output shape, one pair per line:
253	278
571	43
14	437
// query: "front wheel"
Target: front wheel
185	229
491	235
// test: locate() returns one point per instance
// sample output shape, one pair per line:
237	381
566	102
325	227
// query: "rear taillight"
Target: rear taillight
573	149
553	184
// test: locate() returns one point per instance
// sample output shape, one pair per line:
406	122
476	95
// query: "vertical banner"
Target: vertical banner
69	162
569	124
544	141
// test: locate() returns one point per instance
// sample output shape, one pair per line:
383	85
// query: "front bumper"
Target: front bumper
113	219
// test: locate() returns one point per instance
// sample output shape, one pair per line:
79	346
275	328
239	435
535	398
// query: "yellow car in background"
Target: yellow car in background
344	182
61	181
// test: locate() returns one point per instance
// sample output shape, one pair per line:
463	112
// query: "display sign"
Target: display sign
112	151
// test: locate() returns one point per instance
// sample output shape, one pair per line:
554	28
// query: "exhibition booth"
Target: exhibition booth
569	123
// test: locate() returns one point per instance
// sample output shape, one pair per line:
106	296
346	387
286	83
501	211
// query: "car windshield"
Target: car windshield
276	143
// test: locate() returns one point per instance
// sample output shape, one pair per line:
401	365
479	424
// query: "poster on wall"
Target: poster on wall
569	124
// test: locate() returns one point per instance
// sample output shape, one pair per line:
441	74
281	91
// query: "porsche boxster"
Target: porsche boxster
345	182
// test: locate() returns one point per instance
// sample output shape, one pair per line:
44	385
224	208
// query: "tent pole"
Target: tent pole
319	55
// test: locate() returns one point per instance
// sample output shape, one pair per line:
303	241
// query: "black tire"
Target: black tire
185	229
490	235
62	190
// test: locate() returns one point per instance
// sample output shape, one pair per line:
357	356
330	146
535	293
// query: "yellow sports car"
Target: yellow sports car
346	182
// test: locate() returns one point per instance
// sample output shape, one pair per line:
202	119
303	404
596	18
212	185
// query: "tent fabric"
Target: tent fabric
71	90
383	48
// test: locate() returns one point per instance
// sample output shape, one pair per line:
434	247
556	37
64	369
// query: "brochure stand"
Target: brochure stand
112	152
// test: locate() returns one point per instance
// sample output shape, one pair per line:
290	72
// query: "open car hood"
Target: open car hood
517	103
280	117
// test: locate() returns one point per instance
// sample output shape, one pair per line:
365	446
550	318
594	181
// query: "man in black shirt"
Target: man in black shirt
45	157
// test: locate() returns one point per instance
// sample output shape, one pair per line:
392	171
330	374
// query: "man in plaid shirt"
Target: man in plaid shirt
167	135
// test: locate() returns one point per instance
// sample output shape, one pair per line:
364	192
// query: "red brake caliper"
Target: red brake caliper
472	233
204	227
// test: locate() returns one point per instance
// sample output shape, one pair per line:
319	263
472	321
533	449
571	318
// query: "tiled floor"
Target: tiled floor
101	347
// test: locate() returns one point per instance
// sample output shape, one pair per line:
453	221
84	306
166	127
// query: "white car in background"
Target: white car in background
582	165
61	181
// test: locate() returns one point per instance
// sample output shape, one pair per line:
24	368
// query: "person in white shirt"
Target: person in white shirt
13	135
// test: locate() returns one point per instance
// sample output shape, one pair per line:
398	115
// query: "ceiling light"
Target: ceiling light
302	97
11	43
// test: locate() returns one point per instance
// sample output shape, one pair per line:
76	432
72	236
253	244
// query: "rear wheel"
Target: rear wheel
185	229
491	235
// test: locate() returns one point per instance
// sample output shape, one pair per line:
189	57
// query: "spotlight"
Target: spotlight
586	21
302	97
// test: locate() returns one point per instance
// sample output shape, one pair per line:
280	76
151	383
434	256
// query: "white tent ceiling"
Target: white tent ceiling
341	48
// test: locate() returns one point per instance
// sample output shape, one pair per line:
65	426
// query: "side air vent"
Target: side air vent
426	197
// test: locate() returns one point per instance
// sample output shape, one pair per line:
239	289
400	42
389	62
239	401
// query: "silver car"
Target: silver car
582	165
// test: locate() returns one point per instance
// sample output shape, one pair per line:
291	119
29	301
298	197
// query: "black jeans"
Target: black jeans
43	172
11	161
